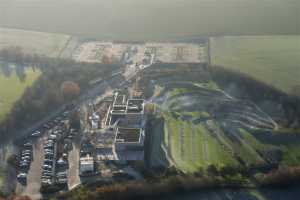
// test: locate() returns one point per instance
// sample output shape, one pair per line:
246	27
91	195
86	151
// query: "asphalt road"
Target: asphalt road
73	158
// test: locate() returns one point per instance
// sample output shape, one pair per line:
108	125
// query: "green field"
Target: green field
11	89
274	60
192	146
32	42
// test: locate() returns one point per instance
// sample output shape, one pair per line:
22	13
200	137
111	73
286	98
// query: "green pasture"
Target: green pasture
11	89
274	60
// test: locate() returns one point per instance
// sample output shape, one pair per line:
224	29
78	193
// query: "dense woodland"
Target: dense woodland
46	93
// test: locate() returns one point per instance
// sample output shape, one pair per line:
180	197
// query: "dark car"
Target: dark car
22	178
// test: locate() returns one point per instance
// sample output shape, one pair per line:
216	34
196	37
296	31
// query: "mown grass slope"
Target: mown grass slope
192	146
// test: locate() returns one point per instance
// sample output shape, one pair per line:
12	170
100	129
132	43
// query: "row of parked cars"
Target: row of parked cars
54	168
62	170
49	160
26	156
26	153
59	120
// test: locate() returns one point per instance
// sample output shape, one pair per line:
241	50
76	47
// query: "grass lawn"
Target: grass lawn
32	42
274	60
291	152
11	89
291	155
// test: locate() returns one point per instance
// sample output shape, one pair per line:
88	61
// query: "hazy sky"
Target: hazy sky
153	18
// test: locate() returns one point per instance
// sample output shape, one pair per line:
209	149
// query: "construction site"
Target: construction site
140	53
116	122
117	125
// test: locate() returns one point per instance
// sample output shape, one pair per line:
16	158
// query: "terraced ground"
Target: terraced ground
192	147
273	60
11	89
203	126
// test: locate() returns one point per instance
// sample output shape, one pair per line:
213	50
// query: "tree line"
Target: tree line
174	183
61	81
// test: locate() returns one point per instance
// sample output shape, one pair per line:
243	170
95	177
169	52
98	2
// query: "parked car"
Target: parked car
49	160
49	156
26	154
47	171
63	173
36	134
62	180
49	141
48	150
46	174
53	137
62	161
26	151
46	181
47	167
28	145
22	176
26	158
49	144
24	166
46	126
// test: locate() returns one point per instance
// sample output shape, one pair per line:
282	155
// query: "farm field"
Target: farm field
272	59
9	95
32	42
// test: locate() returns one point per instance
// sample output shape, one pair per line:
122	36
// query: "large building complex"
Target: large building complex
122	135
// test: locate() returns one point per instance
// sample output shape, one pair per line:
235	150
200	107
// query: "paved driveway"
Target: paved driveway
73	179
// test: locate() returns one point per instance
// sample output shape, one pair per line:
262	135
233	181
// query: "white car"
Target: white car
46	181
22	176
36	133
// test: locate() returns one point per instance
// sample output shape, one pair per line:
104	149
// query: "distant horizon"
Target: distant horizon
152	20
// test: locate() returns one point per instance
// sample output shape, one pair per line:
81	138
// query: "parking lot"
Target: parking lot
32	188
43	159
36	175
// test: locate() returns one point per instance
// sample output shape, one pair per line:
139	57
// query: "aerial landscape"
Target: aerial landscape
145	99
